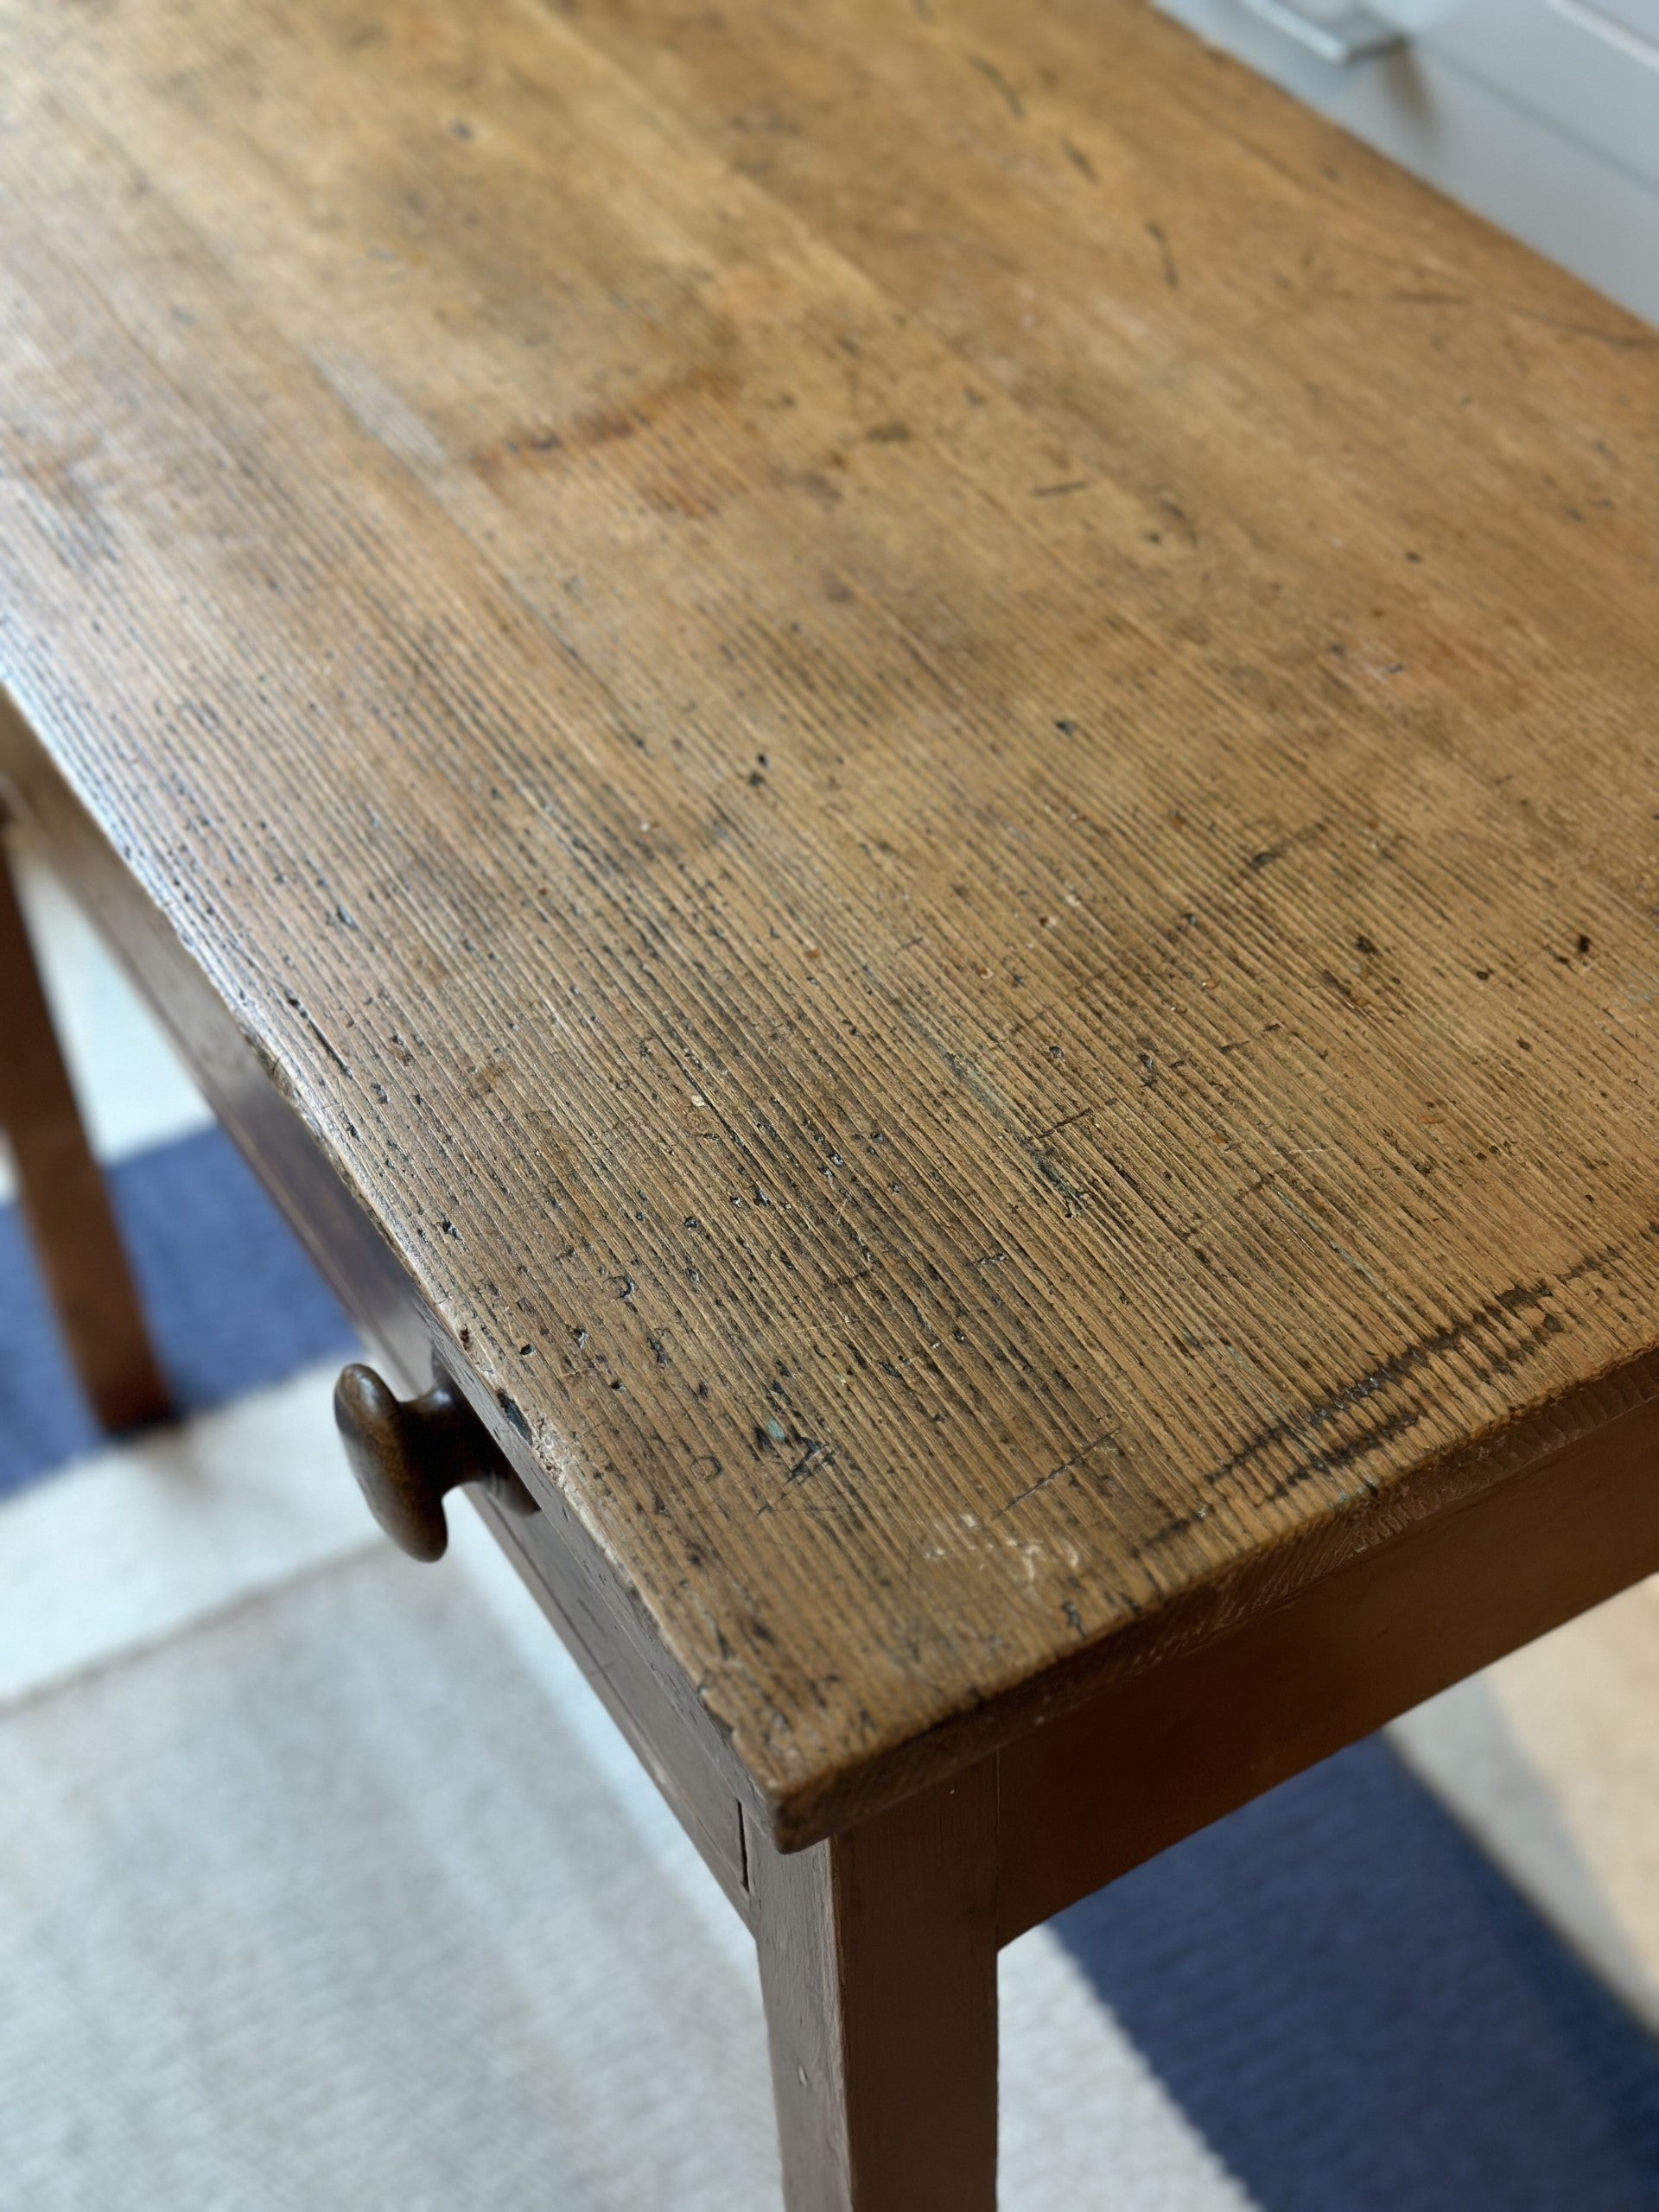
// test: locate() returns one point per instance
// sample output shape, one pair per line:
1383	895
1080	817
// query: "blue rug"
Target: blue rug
232	1301
1348	2001
1359	2013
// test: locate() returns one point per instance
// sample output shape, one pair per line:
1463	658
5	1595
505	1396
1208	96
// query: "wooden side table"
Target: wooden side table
896	767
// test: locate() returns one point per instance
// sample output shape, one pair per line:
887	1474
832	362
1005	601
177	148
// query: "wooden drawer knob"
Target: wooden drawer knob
408	1454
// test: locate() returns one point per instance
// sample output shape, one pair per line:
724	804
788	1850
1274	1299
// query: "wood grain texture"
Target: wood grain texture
226	1063
924	737
1114	1781
595	1611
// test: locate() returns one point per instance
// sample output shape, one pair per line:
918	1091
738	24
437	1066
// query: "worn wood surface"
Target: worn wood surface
878	1965
925	739
595	1611
234	1076
65	1203
1113	1782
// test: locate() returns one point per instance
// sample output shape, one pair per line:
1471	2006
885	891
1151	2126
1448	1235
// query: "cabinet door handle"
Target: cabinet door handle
407	1455
1355	35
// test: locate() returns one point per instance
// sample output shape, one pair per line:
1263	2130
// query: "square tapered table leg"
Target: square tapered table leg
65	1202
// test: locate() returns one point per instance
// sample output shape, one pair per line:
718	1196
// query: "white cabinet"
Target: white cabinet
1543	114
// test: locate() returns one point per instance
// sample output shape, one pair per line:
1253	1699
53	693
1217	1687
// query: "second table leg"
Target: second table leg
64	1200
878	1962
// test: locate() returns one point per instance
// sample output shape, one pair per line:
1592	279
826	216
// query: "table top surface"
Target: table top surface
927	738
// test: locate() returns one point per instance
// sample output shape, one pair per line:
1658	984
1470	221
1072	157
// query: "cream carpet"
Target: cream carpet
350	1897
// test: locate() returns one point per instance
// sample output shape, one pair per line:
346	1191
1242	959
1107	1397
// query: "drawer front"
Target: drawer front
1542	115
